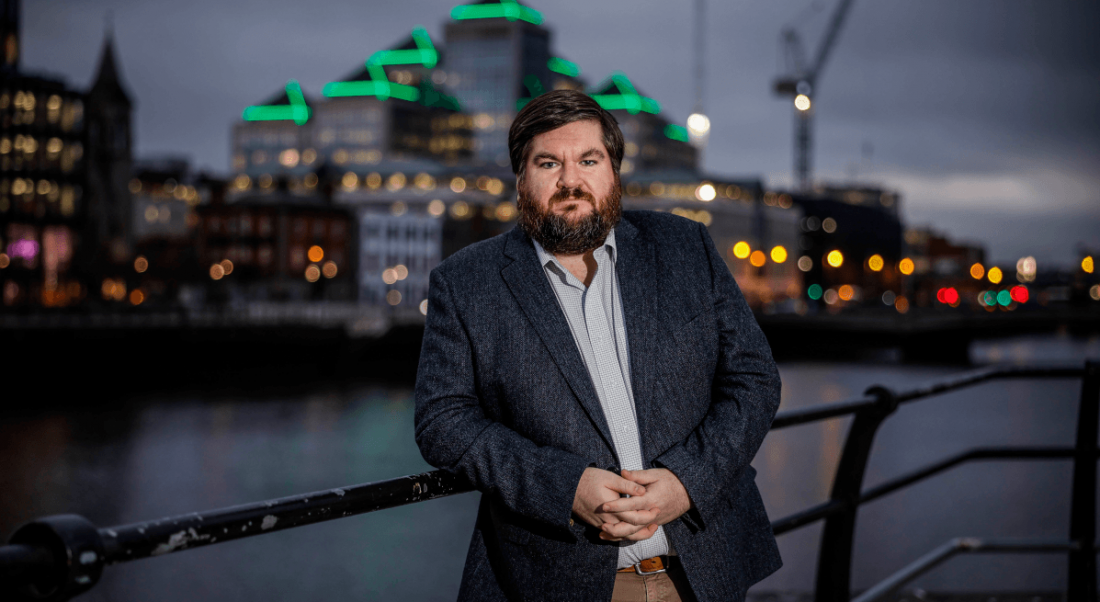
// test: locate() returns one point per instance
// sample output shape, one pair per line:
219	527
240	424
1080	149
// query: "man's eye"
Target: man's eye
547	164
588	162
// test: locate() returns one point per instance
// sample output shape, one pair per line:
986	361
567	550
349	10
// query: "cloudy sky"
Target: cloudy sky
984	114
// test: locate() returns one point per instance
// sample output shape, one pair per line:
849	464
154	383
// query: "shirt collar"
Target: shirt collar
547	258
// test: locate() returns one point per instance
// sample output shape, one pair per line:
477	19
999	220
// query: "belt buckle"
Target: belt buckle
663	569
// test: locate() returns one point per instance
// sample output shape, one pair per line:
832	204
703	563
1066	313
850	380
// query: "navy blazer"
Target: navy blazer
503	398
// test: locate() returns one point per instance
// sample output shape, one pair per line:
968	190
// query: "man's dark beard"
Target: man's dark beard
560	236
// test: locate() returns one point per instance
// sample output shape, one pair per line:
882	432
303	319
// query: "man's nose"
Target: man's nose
570	176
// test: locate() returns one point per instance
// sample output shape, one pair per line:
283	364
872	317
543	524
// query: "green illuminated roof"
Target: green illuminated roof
506	9
617	93
372	80
564	67
676	132
289	107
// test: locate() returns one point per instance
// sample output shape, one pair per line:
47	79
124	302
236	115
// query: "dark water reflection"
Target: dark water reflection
159	457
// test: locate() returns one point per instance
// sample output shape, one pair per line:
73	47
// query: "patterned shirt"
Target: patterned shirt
595	316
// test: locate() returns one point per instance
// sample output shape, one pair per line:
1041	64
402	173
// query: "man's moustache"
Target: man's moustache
566	194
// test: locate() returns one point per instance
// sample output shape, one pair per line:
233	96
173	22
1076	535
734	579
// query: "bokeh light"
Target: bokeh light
757	258
705	192
227	266
141	264
312	273
741	250
901	304
393	297
835	258
875	262
216	271
802	102
906	266
995	275
977	271
315	253
779	254
329	269
1019	293
137	297
846	292
805	263
1026	269
814	292
1088	265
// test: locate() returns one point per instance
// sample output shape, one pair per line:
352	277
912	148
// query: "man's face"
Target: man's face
569	195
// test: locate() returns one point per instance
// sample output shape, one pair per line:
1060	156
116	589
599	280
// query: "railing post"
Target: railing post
834	563
1082	520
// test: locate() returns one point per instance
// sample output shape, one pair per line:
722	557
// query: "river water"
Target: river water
171	454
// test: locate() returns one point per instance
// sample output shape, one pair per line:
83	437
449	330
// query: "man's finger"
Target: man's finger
643	534
627	504
637	518
621	529
643	477
624	486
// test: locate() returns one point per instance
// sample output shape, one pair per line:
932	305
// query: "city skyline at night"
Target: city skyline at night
978	115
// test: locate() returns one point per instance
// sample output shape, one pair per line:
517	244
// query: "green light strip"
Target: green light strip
380	89
297	111
428	57
379	85
632	103
627	99
508	9
422	39
676	132
564	67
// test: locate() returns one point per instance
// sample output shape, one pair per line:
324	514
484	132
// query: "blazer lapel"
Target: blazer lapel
527	281
636	268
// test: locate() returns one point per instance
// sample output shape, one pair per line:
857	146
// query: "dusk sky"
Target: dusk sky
982	114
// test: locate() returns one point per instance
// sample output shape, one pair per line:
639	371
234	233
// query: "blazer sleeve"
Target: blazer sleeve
454	433
744	399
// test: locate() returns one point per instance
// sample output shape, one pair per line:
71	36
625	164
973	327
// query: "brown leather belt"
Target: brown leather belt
650	566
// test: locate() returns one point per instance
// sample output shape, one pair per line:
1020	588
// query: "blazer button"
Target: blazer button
570	522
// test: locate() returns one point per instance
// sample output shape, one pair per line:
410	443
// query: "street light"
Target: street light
802	102
698	125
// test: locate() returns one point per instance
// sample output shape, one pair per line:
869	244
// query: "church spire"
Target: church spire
108	81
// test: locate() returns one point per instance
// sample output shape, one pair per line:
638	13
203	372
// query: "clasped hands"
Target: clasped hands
656	497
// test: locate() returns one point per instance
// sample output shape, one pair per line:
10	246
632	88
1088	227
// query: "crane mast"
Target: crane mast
801	83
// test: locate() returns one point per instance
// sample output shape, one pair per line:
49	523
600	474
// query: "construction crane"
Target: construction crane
801	84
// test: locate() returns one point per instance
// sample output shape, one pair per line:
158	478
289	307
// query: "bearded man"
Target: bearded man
598	376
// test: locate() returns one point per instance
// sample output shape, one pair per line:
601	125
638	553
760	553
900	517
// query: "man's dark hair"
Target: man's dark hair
552	110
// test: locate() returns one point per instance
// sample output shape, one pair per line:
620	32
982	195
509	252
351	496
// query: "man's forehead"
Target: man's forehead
578	136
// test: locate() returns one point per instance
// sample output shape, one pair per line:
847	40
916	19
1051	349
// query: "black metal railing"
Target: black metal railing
58	557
